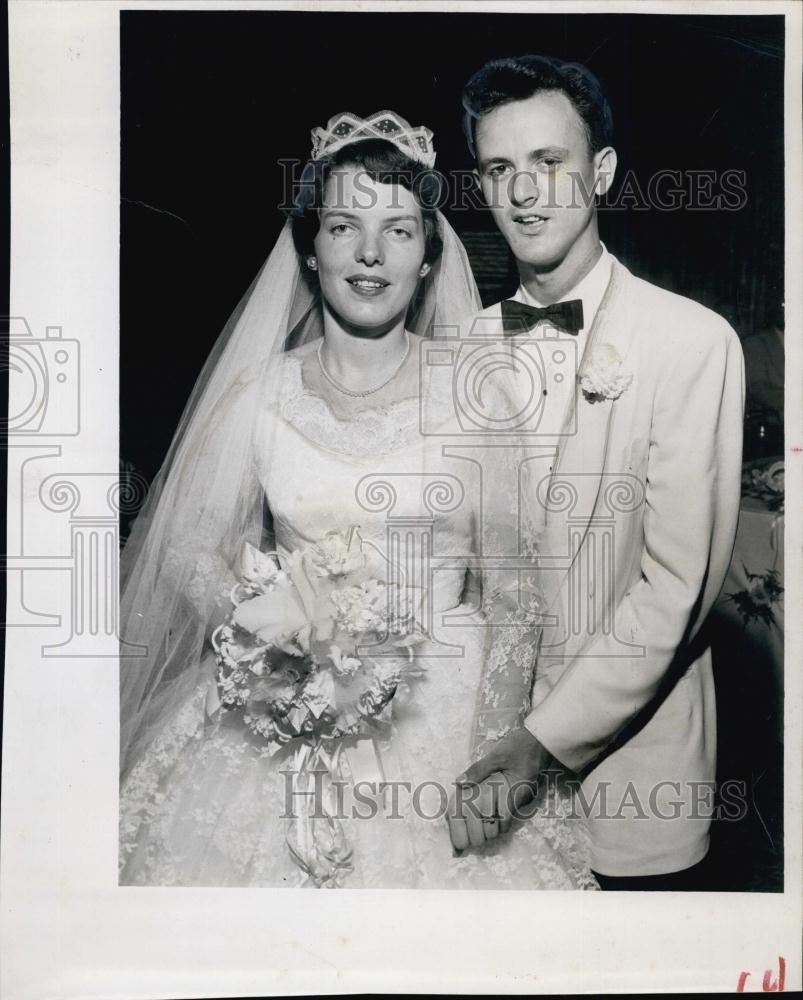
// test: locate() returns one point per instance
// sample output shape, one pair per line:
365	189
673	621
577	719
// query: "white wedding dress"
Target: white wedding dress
206	806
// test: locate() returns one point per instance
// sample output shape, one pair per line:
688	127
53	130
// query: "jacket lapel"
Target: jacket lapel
580	461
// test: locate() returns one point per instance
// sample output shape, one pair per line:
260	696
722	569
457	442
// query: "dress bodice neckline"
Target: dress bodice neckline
373	431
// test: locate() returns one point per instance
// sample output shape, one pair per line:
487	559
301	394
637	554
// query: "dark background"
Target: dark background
211	101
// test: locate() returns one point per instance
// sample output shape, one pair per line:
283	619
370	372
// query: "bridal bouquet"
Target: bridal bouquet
290	662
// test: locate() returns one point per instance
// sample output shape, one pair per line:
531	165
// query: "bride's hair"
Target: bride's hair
384	163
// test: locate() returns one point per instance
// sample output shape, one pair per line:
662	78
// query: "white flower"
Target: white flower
345	666
319	693
260	571
774	477
361	608
338	554
278	690
602	376
274	617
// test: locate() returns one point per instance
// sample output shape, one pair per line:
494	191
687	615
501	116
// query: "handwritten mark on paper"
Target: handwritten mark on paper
769	984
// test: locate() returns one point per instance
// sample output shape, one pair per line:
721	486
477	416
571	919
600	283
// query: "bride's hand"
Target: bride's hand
491	790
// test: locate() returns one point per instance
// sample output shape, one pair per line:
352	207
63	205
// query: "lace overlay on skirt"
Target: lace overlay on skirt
207	806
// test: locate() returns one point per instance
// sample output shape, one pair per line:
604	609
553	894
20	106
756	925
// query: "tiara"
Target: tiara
346	128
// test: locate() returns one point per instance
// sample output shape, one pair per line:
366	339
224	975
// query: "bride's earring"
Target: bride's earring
312	263
425	269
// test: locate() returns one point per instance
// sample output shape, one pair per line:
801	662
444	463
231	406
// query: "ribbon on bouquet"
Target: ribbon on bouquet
317	840
365	763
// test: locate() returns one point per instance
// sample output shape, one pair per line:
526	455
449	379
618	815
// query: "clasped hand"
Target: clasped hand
490	791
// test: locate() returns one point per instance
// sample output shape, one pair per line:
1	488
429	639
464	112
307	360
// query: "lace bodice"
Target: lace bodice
206	806
376	471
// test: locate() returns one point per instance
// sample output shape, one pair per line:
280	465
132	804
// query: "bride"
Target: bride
326	416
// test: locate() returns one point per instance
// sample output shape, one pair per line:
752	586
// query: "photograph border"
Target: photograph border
68	929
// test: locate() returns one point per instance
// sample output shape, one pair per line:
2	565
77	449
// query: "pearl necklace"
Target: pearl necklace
363	392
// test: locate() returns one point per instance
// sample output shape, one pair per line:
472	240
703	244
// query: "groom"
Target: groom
647	440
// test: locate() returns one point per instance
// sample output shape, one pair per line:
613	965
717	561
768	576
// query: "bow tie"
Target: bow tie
518	316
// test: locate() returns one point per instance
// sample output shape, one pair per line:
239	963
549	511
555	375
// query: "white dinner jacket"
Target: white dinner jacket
642	501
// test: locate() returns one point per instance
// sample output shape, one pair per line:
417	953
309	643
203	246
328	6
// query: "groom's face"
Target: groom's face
538	174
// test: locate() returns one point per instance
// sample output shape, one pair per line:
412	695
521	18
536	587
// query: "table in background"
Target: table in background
748	669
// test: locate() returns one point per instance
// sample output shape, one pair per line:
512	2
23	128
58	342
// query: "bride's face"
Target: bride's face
370	249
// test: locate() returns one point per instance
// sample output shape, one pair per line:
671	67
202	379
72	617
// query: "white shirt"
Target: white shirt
561	362
590	290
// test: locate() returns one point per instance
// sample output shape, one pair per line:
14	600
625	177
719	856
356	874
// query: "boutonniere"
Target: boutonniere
602	375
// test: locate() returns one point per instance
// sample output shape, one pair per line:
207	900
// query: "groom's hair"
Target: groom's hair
517	78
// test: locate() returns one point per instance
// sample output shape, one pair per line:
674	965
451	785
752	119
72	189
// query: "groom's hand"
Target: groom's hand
489	792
